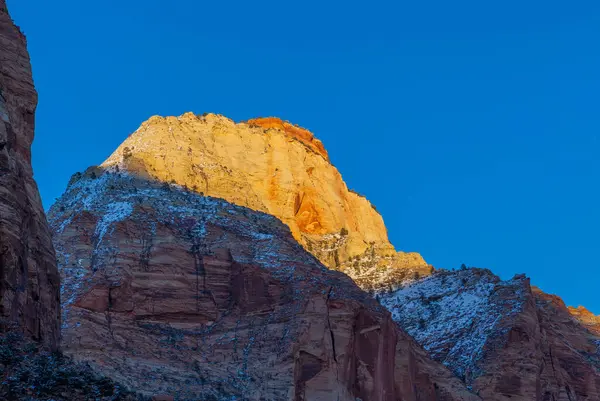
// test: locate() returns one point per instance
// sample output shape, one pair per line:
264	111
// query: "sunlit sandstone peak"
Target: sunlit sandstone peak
272	166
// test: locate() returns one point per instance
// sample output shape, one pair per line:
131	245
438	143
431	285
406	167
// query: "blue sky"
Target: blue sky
472	126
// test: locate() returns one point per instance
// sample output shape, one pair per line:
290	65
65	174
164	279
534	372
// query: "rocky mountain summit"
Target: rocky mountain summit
275	167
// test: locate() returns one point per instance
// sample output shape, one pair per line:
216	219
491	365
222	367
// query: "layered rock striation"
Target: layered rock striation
29	280
171	292
275	167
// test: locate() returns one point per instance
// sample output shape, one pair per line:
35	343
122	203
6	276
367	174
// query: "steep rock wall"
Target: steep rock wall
29	280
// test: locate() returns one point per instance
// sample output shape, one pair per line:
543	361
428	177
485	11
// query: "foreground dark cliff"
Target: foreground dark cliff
29	280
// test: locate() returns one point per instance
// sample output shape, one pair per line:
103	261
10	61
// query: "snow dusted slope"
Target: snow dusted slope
112	197
503	339
453	314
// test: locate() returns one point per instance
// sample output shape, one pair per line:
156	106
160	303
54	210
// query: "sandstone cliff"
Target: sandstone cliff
274	167
505	339
176	293
29	280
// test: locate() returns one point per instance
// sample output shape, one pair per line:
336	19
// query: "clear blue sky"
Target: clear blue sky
472	126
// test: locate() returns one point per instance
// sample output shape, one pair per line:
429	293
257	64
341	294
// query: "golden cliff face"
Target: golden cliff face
275	167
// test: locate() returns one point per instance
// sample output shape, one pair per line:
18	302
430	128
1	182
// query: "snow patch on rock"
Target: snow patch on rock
115	212
453	314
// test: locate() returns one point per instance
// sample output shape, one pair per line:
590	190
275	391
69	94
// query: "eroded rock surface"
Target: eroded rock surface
274	167
505	339
29	280
174	293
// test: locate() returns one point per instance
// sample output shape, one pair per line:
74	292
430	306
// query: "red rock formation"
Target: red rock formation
176	294
29	281
571	354
505	339
298	133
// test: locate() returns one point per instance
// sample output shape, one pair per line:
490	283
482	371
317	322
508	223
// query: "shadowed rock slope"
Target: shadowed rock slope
30	372
171	292
29	280
272	166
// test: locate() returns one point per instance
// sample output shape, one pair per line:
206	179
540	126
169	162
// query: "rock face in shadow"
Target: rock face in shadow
30	372
505	339
29	280
275	167
174	293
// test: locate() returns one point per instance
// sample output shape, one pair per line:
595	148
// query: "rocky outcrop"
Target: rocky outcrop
505	339
178	294
274	167
300	134
29	281
587	318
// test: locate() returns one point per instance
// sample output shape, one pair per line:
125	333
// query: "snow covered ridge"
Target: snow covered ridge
454	314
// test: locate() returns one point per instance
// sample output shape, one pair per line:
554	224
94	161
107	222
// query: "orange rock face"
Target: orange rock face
301	134
29	280
179	295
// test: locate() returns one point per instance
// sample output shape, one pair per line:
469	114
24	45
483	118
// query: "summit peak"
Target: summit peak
270	165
